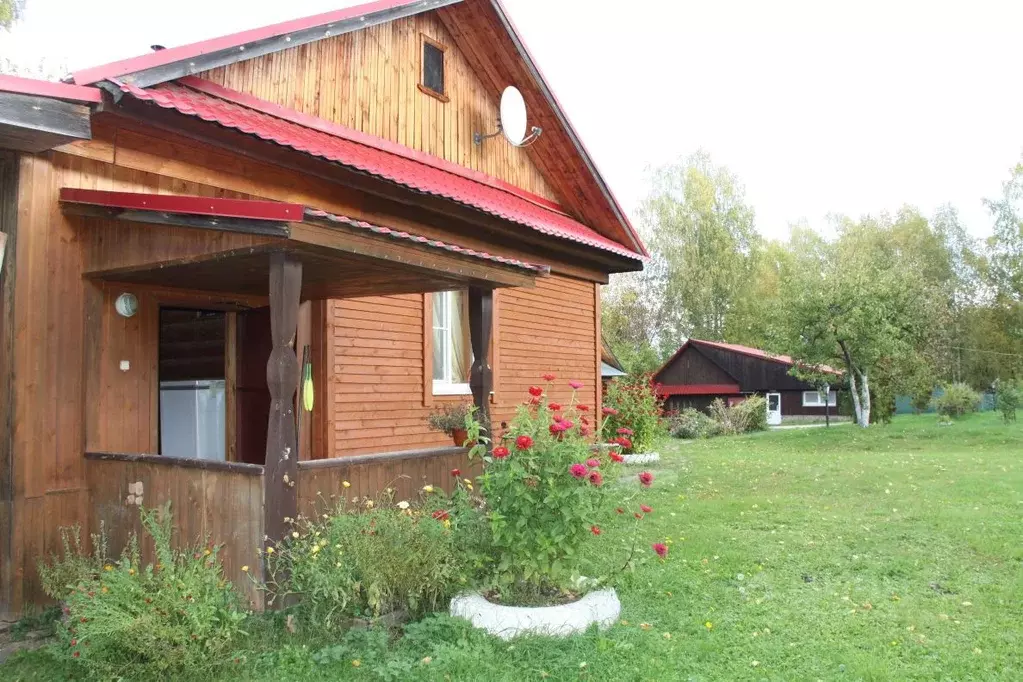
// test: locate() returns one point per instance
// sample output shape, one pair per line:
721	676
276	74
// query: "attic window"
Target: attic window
433	69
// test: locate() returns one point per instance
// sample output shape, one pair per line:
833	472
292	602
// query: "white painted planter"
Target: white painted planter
601	607
644	458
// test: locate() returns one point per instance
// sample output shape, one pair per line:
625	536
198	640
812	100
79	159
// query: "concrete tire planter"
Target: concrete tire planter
601	607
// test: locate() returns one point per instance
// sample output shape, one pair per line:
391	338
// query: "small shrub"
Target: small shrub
364	561
449	418
691	423
632	403
164	620
60	575
1008	397
957	401
750	414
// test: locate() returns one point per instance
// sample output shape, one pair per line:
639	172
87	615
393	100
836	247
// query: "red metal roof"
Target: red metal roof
340	145
32	86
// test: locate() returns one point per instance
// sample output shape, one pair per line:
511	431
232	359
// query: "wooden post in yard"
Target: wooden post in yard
481	321
282	370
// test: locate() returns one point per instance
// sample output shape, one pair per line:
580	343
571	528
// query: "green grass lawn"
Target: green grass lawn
894	553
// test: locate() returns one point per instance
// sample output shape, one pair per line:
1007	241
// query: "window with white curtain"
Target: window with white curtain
815	399
452	355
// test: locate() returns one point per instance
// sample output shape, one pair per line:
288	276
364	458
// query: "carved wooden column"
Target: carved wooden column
282	370
481	321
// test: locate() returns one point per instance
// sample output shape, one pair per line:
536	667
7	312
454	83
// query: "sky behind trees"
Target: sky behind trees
819	108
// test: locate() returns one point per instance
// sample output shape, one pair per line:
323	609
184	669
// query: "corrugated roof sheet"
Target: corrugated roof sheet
388	165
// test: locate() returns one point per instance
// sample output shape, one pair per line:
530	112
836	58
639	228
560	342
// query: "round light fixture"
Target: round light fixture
127	305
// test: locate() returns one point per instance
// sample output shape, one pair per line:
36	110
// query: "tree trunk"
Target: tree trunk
858	406
865	401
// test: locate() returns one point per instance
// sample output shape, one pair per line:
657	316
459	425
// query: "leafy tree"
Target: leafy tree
628	322
10	11
1006	244
704	248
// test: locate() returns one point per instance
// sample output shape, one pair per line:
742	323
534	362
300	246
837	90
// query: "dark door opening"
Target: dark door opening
252	396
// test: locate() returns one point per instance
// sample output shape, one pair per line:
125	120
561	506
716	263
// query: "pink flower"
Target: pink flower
583	408
501	452
584	430
593	463
575	384
554	406
638	515
596	478
646	509
609	411
535	391
523	442
624	431
558	427
548	377
577	470
595	530
661	549
615	457
646	478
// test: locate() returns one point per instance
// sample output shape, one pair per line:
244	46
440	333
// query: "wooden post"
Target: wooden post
481	322
282	370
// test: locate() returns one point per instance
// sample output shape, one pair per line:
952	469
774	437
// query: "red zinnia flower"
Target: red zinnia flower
620	510
554	406
548	377
558	427
456	472
661	549
593	463
575	384
577	470
501	452
595	530
623	441
646	509
585	420
77	654
74	642
583	408
584	430
624	431
523	442
596	478
609	411
535	391
441	515
646	478
615	457
637	515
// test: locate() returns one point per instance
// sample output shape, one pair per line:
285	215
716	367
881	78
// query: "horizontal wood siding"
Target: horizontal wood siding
321	488
220	507
367	80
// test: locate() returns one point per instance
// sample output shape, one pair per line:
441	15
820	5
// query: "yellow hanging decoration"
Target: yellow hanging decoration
307	387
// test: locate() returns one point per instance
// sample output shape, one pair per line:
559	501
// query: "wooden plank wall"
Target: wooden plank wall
367	80
378	390
8	227
221	506
320	483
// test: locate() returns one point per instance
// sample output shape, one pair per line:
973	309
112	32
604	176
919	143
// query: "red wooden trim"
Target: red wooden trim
31	86
700	389
174	54
251	209
344	132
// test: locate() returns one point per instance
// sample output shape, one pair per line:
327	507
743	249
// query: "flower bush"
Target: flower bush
125	620
545	492
631	403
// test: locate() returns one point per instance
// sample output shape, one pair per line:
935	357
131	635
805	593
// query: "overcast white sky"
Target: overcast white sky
819	106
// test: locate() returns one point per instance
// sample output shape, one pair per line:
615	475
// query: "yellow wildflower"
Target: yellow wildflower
667	635
467	481
447	523
427	488
709	625
346	484
315	549
356	663
108	567
131	571
294	534
208	552
369	504
245	569
469	486
269	550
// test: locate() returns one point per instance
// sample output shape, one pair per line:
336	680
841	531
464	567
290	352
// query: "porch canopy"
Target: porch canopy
288	252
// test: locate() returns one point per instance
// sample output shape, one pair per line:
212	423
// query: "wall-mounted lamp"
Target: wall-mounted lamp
127	305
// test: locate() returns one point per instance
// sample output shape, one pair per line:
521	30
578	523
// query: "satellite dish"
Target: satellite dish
513	115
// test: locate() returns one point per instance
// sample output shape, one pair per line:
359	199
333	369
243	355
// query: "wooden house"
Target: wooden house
192	233
702	371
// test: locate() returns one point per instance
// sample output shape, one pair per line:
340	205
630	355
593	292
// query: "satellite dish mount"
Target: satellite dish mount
513	121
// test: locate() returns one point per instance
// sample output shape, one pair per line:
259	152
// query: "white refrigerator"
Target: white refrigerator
192	418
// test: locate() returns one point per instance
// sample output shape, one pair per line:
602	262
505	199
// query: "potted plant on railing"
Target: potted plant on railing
543	494
453	419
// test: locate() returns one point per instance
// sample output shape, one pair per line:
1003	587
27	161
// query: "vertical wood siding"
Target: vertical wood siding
367	80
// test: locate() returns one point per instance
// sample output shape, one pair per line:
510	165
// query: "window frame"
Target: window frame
832	400
446	386
421	85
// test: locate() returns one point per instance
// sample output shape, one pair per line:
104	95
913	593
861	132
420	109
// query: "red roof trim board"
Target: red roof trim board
277	211
699	389
338	130
31	86
397	168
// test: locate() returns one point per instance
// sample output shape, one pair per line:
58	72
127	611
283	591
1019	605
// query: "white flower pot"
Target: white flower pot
601	607
644	458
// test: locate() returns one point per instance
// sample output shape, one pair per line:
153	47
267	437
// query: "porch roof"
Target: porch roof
343	256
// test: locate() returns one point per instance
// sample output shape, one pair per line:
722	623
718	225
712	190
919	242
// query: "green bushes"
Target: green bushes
957	401
164	620
384	558
1008	396
632	403
744	417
